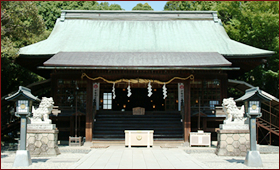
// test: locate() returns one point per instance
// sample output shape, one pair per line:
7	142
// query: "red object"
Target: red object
182	87
95	86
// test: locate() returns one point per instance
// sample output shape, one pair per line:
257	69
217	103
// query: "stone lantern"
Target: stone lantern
252	101
23	99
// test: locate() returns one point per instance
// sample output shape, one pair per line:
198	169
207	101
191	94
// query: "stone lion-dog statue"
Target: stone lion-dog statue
233	114
41	114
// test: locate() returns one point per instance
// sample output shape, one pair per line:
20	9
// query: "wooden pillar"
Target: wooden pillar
72	125
204	123
187	110
89	111
224	86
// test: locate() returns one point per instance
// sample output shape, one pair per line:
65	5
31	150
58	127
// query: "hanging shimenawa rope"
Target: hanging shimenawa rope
191	77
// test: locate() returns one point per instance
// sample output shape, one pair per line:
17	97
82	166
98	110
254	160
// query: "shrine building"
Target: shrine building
139	70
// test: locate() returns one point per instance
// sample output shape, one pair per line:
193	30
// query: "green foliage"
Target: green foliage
20	26
255	23
141	6
190	5
51	10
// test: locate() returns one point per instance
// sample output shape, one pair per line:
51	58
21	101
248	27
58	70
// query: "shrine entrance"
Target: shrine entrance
139	98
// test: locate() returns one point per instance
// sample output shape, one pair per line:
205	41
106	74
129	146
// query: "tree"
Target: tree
141	6
190	5
20	26
254	23
51	10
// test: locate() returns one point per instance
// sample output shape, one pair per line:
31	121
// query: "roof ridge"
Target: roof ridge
138	15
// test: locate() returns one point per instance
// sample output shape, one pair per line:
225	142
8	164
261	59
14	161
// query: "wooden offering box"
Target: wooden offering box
139	138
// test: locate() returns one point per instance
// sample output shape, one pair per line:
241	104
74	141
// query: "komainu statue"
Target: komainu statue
233	114
41	114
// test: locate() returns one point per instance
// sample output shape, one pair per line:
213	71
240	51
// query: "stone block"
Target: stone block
51	136
57	150
221	152
236	152
42	143
51	152
51	144
223	137
37	151
229	140
43	154
247	136
236	144
223	144
242	140
38	136
230	148
44	147
31	139
31	147
248	144
235	137
242	148
45	140
38	144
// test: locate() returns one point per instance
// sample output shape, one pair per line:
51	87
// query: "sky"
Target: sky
128	5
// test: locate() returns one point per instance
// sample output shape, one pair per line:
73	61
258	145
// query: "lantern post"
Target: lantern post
23	99
252	102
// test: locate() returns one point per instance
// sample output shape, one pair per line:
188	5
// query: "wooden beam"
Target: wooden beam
89	111
187	110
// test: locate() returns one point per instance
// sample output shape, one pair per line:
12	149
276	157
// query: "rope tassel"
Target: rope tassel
149	89
128	90
113	90
164	90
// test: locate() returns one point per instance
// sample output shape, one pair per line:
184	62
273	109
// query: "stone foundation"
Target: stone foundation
233	142
42	142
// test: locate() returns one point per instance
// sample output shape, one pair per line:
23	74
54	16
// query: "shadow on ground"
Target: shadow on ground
235	161
39	160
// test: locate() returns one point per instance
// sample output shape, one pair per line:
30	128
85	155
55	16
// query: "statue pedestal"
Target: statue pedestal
42	140
234	142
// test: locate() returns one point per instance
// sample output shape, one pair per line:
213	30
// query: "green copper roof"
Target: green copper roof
128	31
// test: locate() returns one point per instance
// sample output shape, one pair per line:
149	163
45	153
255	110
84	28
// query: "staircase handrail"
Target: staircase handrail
272	120
269	113
260	119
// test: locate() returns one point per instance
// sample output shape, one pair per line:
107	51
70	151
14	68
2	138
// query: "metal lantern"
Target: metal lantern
252	102
23	99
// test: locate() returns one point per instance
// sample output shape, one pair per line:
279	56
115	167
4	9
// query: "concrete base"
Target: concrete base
233	142
42	142
253	159
186	144
87	144
22	159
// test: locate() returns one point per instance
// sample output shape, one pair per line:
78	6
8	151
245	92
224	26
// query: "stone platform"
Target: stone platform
42	140
233	142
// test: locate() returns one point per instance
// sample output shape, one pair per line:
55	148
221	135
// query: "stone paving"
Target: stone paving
157	157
